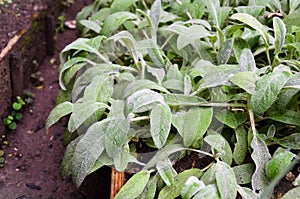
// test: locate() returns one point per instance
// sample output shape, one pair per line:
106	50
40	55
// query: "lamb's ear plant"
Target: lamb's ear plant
217	78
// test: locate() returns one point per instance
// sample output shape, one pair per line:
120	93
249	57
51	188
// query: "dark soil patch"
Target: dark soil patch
17	16
33	158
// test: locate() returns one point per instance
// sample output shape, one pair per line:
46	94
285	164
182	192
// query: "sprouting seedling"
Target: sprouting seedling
11	120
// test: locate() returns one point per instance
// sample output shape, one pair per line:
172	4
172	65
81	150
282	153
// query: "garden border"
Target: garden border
23	54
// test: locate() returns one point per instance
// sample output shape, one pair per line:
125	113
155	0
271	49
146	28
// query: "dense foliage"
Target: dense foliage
219	77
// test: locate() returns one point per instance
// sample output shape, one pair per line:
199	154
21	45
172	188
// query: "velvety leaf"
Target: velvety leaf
187	85
209	177
165	171
83	14
220	76
128	41
160	124
285	98
247	193
69	74
225	52
156	54
254	11
280	161
247	61
150	189
239	45
116	136
260	156
267	89
291	20
69	64
103	160
174	99
83	44
213	8
143	100
254	23
178	121
226	180
121	159
245	80
121	5
241	145
294	4
91	25
66	165
158	73
163	154
58	112
117	110
135	185
155	13
81	112
88	150
291	141
191	187
280	32
193	33
208	192
99	90
179	181
292	193
115	20
219	143
294	81
137	85
231	119
244	173
196	122
287	117
174	85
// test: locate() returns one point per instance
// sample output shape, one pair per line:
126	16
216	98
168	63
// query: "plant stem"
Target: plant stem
212	104
207	167
140	118
251	116
268	55
199	151
197	91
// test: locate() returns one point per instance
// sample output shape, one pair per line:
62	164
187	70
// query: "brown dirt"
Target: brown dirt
17	16
33	158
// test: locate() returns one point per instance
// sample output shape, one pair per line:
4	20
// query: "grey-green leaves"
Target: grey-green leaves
226	180
134	187
253	23
280	32
58	112
179	77
196	122
190	35
267	89
281	160
160	124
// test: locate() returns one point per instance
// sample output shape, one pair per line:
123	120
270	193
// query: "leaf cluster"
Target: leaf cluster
220	78
11	120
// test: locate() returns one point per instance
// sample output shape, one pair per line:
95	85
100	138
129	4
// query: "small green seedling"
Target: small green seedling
11	120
